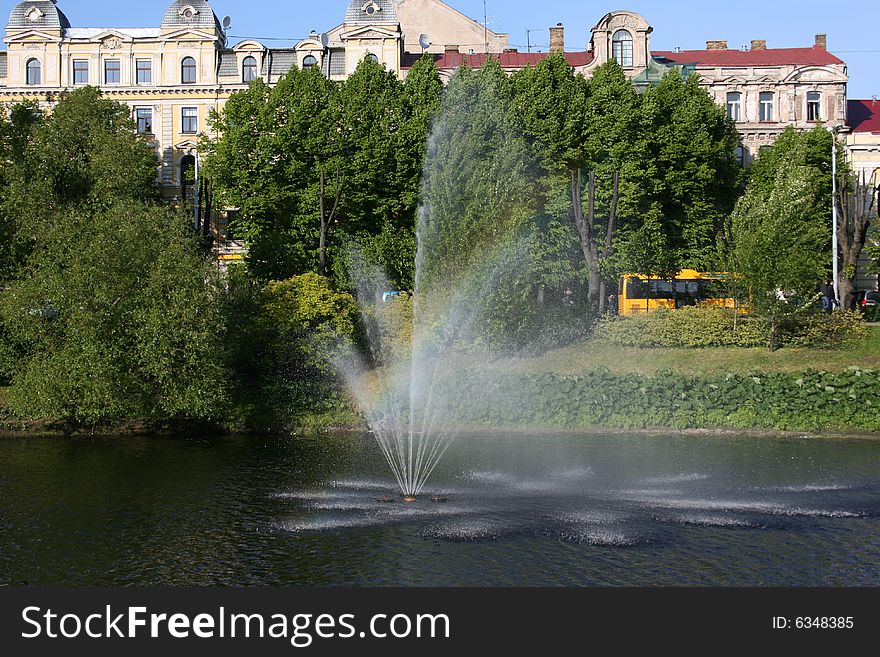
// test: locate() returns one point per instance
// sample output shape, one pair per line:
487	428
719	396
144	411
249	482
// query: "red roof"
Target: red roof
454	60
863	115
734	58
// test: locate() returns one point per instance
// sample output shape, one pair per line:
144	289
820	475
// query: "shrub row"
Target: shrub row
695	327
779	401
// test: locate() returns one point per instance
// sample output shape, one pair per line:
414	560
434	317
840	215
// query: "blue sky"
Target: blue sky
852	30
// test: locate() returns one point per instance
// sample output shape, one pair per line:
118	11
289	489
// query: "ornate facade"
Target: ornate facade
172	76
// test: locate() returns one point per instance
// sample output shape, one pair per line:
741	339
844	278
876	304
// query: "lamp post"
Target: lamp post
834	239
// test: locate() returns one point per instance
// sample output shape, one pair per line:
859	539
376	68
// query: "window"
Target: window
734	106
189	120
188	70
767	114
33	71
112	71
372	57
80	71
814	106
249	69
309	61
144	71
622	48
187	176
741	155
144	116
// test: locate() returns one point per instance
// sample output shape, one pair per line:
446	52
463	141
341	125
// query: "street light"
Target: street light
834	241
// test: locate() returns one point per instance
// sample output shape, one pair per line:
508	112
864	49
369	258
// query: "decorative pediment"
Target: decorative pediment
617	20
189	34
734	81
32	36
309	44
188	146
248	46
114	36
370	32
816	74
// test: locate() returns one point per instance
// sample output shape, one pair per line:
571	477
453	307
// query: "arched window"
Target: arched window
188	70
249	69
33	71
734	106
622	48
372	57
309	61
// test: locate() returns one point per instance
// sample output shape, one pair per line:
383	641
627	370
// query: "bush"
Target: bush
780	401
696	327
288	348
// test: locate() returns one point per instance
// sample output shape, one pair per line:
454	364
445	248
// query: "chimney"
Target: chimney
716	45
557	38
759	44
447	49
822	41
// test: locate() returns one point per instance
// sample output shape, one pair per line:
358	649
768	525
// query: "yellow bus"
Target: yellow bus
640	294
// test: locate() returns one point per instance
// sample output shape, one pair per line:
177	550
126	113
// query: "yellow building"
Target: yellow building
174	75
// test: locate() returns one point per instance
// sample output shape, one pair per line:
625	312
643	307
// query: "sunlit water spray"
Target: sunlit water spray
472	247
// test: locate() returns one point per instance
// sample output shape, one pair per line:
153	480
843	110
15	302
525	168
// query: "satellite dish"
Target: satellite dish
325	39
227	22
424	41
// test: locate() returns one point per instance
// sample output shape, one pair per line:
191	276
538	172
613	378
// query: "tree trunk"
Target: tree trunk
855	204
322	240
327	221
609	241
774	325
585	226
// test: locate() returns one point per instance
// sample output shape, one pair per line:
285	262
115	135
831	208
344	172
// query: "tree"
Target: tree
17	125
855	211
692	179
777	244
119	317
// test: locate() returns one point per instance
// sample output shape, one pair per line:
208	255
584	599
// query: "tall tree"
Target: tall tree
693	178
777	244
856	210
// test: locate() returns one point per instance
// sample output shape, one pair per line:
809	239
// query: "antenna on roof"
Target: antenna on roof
424	42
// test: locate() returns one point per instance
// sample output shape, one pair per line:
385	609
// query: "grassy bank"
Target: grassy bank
579	358
591	385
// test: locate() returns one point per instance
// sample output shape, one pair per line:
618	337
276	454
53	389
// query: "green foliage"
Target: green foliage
777	242
367	135
699	327
394	320
785	402
87	154
119	318
283	348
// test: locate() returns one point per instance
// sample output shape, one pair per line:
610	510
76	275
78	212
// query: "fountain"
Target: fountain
472	260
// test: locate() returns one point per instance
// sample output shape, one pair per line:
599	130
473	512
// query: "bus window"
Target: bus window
637	289
663	289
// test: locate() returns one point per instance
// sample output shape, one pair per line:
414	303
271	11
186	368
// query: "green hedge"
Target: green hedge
696	327
787	402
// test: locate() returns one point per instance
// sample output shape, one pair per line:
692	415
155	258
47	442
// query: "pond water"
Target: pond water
523	509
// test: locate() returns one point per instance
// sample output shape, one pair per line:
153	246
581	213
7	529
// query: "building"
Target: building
863	146
863	140
174	75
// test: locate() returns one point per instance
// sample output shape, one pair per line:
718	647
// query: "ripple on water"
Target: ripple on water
466	530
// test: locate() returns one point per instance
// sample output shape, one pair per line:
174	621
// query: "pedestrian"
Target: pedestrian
829	298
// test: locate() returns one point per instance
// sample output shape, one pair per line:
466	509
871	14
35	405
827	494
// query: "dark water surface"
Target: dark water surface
569	510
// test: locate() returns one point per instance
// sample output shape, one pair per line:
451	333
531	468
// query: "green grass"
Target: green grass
579	358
